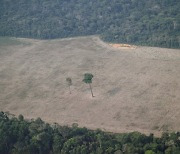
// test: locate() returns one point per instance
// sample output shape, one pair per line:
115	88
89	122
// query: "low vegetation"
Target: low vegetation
18	135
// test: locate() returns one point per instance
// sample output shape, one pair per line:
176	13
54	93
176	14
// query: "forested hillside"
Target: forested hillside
35	136
154	23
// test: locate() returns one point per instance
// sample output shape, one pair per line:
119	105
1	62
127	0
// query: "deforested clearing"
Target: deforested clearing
136	89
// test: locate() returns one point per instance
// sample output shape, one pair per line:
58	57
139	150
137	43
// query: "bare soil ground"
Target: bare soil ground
136	89
123	46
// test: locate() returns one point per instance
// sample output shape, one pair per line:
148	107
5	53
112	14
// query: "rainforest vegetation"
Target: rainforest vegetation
142	22
18	135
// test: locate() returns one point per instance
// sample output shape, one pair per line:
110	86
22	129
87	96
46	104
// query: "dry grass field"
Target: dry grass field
136	89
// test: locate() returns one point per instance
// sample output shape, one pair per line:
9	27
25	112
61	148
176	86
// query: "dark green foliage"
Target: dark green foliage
88	79
37	137
69	81
154	23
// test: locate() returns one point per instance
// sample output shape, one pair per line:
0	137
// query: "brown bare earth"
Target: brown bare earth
123	46
136	89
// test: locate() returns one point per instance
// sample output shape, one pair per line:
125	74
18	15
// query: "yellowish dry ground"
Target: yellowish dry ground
123	46
138	90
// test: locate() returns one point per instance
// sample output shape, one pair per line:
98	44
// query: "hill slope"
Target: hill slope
154	23
135	89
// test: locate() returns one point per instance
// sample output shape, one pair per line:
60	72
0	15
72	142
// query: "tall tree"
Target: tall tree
88	79
69	82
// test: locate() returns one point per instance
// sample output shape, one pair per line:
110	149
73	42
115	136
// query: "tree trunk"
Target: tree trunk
70	89
91	90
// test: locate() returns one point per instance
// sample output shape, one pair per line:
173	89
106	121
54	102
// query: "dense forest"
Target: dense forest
142	22
20	136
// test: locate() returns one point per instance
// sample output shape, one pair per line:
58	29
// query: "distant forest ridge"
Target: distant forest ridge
141	22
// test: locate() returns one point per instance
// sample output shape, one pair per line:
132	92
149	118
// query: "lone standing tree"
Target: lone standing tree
69	82
88	79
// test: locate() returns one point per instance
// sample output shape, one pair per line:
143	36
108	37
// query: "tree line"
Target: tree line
20	136
141	22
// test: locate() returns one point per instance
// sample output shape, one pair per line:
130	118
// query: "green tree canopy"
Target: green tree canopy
18	135
141	22
69	82
88	79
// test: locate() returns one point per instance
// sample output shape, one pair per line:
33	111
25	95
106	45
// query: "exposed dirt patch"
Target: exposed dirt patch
123	46
137	90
